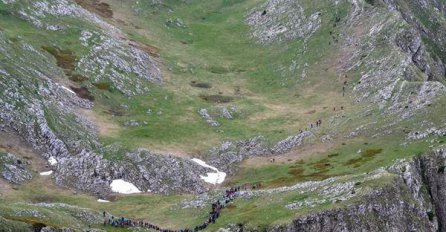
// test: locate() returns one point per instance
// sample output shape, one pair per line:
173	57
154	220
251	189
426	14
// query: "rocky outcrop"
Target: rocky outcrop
282	20
149	172
383	210
14	169
433	172
229	154
163	173
427	19
412	201
209	120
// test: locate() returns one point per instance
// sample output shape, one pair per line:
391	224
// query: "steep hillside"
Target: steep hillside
320	104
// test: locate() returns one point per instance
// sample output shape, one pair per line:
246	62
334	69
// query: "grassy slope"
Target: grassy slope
214	47
208	49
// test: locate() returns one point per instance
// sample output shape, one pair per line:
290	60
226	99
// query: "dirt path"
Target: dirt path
104	126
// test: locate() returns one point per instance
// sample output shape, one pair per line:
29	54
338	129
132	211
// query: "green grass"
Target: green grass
268	210
164	210
358	156
215	48
207	50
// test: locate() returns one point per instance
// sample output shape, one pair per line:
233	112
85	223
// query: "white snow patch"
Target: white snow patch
67	89
52	161
46	173
103	201
216	177
124	187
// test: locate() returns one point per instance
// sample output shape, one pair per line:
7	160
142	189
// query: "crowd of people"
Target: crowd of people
214	214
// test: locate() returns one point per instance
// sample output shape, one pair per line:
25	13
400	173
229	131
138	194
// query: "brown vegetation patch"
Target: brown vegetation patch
366	156
333	155
371	152
77	78
322	165
231	206
311	112
83	92
202	85
296	171
66	60
101	8
102	85
298	176
217	98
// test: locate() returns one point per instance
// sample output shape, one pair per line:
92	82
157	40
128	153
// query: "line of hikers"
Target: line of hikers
214	214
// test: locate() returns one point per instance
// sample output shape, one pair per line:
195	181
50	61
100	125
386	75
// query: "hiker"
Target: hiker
342	107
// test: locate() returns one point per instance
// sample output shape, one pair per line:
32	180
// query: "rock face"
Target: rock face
149	172
282	20
399	46
384	210
164	174
427	19
229	153
433	172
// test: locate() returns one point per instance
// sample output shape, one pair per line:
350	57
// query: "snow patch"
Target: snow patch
46	173
52	161
216	177
67	89
103	201
124	187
